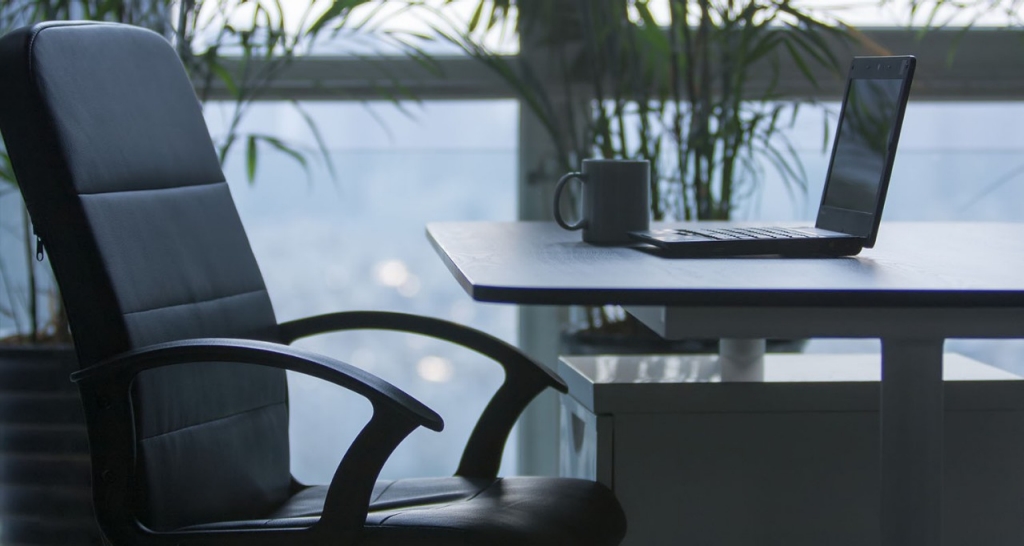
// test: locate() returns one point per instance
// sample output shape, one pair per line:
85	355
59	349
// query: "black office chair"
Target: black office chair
182	362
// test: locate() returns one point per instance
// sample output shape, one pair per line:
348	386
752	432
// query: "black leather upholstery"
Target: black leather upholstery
147	200
447	511
121	180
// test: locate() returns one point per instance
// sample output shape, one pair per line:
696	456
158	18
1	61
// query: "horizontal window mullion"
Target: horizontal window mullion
952	65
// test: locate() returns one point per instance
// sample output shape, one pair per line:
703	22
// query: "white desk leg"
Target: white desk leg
911	442
741	360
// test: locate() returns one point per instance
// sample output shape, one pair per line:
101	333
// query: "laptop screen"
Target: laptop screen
860	155
865	145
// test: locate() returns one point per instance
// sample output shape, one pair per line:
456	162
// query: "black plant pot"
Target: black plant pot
45	490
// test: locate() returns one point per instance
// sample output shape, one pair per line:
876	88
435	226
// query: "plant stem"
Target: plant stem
677	13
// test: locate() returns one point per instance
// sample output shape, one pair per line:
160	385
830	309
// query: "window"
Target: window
357	243
948	99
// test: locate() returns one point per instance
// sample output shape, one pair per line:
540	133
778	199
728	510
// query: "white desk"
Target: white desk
923	283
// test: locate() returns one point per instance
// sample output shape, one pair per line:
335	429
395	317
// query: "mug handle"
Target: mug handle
582	223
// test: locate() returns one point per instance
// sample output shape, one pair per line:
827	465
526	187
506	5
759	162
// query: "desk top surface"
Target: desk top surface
912	264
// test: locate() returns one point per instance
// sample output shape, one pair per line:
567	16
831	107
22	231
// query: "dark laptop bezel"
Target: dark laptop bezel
857	223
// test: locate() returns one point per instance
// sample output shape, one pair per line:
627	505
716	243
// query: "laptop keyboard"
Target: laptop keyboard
726	234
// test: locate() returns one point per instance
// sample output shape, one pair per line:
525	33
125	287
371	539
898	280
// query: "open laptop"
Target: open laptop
855	187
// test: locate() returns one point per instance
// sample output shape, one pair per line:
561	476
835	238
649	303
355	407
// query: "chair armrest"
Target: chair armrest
106	389
524	377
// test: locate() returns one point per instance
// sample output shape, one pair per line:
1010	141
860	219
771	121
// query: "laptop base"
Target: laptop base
802	248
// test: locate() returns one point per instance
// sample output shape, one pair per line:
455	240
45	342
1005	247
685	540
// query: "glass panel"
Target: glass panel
358	243
371	28
957	161
896	13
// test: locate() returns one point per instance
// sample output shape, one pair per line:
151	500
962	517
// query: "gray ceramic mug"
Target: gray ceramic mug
616	199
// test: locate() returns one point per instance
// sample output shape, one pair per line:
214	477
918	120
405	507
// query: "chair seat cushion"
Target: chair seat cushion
535	511
496	512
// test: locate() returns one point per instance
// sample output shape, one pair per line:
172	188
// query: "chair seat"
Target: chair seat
462	511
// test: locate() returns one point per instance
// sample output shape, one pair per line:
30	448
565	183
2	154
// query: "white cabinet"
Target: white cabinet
793	460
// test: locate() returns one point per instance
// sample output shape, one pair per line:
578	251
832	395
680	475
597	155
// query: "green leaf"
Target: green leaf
800	63
419	55
475	19
223	75
287	150
222	153
650	31
250	159
325	152
338	9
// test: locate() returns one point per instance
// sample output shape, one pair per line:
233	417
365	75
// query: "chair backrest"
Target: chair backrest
123	185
